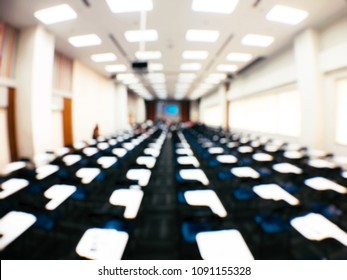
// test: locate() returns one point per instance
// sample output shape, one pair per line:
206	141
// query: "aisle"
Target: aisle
156	229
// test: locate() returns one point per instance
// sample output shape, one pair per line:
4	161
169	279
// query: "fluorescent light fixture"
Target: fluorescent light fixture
217	76
148	55
227	68
239	57
186	77
196	55
56	14
148	35
85	40
287	15
215	6
126	76
208	36
103	57
155	67
190	66
116	68
257	40
156	77
128	6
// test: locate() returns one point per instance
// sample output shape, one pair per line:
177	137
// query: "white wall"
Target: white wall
34	73
275	72
96	100
315	65
212	108
140	110
194	111
4	147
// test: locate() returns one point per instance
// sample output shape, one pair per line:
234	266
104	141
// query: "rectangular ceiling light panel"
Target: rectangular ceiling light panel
128	6
103	57
56	14
214	6
257	40
85	40
287	15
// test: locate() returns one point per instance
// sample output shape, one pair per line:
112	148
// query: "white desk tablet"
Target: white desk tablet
255	143
275	192
321	163
271	148
206	198
45	170
317	153
194	174
245	149
152	152
232	145
316	227
92	142
58	194
102	244
130	198
12	186
106	162
184	151
286	168
148	161
90	151
140	175
226	159
14	224
183	145
293	155
13	166
80	145
322	184
188	160
207	144
87	174
112	142
262	157
245	172
215	150
61	151
128	145
103	146
223	245
119	152
71	159
156	146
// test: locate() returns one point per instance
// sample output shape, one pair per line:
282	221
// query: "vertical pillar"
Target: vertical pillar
306	47
122	107
34	71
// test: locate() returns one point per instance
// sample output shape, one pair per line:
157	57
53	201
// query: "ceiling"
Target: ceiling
172	19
